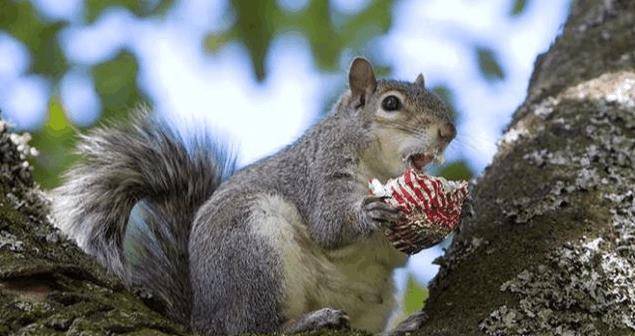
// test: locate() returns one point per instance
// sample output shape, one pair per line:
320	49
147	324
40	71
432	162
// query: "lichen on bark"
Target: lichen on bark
546	246
585	287
49	286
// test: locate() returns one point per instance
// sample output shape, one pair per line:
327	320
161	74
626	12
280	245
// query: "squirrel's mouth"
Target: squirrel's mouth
419	161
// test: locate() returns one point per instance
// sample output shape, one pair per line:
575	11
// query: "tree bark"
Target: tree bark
48	286
546	247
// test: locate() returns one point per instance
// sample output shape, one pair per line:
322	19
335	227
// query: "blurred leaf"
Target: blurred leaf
116	84
381	71
257	22
457	170
47	56
54	142
329	40
488	64
214	41
21	20
162	7
255	25
141	8
94	8
324	40
448	97
373	21
414	297
518	7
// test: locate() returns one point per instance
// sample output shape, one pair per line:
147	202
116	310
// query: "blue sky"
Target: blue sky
435	37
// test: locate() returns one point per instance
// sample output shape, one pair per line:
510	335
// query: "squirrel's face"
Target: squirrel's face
409	125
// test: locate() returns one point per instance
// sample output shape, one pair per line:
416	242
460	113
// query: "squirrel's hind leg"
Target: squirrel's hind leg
253	268
279	223
236	275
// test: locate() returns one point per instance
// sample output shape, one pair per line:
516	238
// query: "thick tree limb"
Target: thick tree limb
548	246
47	285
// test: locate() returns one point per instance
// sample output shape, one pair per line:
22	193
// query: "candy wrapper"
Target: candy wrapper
432	206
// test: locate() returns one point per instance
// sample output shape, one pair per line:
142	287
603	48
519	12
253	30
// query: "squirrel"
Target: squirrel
293	242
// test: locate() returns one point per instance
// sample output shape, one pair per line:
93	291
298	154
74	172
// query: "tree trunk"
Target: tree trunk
546	247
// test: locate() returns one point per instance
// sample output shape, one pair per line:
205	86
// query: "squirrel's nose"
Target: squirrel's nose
447	132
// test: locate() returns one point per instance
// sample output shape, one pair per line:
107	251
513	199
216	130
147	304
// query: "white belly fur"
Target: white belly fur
357	278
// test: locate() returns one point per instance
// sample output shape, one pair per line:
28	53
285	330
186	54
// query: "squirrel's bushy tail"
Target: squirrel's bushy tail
145	175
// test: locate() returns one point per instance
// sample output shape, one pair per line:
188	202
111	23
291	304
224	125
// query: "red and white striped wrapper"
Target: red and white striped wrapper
432	206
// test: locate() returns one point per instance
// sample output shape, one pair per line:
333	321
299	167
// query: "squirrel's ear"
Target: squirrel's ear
420	81
361	80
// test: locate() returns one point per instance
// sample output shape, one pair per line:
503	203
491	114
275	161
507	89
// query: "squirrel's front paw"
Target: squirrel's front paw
375	213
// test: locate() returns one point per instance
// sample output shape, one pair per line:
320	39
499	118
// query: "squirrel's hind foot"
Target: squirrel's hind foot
325	318
409	325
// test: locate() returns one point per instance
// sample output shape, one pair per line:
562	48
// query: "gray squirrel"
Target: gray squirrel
290	243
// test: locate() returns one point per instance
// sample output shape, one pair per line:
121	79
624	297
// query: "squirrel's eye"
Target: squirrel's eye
391	103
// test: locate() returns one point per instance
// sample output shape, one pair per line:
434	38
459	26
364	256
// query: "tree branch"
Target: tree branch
47	284
547	245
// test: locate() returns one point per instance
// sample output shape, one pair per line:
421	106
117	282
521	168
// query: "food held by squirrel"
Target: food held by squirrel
432	206
293	242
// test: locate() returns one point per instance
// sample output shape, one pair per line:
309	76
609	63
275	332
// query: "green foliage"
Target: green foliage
20	19
446	95
518	7
140	8
255	26
53	141
415	296
330	33
354	31
457	170
116	85
333	37
488	64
